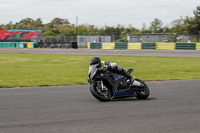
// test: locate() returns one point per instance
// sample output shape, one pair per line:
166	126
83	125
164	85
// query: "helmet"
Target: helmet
95	60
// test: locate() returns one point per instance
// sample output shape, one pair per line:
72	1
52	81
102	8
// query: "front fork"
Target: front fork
102	86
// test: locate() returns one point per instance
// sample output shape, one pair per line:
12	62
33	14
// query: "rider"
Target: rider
111	66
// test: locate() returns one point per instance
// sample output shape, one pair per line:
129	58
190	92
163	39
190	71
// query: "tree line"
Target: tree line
59	26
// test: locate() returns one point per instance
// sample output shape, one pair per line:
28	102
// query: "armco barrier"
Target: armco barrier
18	44
186	46
121	45
88	45
11	44
157	46
108	45
197	46
28	44
33	44
7	44
134	45
148	46
165	46
95	45
3	44
22	45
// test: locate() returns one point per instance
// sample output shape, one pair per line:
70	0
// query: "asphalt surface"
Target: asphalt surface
169	53
173	107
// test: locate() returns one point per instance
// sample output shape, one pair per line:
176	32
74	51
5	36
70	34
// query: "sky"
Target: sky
98	12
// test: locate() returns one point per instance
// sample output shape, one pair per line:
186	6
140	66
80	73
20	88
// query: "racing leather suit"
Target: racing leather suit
117	69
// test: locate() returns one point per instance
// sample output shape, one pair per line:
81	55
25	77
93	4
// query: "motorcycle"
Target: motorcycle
106	85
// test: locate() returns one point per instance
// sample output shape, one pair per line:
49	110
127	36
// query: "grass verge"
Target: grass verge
17	69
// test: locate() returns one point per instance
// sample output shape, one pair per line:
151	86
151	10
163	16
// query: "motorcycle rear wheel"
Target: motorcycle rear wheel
144	94
99	93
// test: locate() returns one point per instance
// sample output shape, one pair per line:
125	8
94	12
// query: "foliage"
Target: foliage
48	33
60	26
58	22
193	25
172	37
156	26
50	40
144	29
179	26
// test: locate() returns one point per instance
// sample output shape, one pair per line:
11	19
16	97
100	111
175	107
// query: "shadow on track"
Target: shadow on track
131	99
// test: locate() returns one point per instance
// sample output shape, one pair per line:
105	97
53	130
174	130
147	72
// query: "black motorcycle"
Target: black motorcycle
106	85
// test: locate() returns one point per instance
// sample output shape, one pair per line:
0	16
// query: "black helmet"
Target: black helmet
95	60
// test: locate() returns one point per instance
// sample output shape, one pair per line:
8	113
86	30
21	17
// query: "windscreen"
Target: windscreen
91	67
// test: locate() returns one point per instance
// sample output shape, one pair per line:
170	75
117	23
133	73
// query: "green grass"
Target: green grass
17	69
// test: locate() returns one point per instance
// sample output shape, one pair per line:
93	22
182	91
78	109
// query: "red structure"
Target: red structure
4	33
28	34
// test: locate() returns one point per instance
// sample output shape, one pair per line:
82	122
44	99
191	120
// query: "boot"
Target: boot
131	79
128	76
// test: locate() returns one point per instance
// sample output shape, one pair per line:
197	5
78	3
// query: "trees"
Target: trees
58	22
58	25
197	11
179	26
48	33
156	26
25	21
28	24
61	26
193	25
144	29
194	22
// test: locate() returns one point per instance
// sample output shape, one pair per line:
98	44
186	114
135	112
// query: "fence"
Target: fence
162	38
54	39
61	40
83	40
133	41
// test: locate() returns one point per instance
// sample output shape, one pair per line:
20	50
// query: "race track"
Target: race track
173	107
169	53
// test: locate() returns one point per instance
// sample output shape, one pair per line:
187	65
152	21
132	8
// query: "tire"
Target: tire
45	45
52	45
96	91
59	45
143	94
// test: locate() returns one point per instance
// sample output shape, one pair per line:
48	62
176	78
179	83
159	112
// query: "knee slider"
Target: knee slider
113	65
119	68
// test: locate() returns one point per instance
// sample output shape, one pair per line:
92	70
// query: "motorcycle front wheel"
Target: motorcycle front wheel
100	92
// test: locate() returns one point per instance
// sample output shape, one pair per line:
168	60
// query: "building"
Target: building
132	38
84	40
